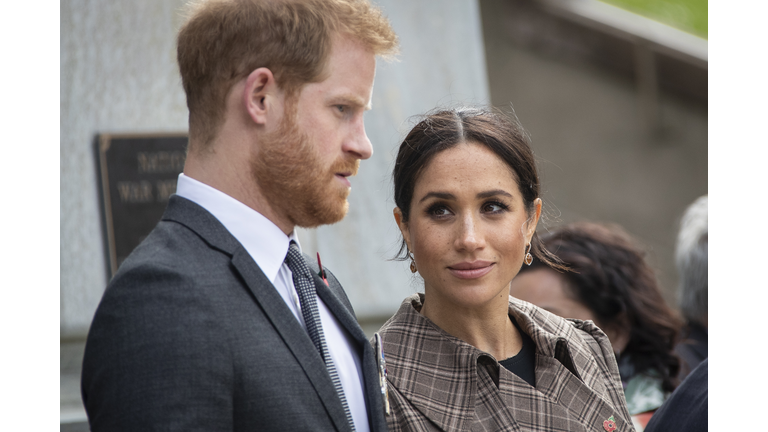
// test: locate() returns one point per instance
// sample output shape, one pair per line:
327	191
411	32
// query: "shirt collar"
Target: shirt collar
264	241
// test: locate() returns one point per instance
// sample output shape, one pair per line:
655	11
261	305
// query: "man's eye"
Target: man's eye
342	109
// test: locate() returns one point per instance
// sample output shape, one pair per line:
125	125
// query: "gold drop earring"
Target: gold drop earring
528	256
413	263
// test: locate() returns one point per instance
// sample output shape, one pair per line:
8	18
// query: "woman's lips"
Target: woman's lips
471	270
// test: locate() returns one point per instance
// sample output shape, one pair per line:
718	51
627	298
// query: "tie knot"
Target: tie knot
293	253
295	260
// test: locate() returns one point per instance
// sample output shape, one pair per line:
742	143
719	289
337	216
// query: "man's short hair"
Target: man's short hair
223	41
691	257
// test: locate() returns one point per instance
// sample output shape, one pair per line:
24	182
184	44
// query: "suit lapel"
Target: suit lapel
344	315
294	336
265	295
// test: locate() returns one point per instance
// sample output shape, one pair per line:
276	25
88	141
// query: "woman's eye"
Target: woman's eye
494	207
438	210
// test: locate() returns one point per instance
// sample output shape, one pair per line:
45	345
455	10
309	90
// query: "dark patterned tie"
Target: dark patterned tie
305	286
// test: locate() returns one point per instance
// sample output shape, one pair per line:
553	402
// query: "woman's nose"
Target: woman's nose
469	236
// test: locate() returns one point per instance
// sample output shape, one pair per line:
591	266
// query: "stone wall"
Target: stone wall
118	74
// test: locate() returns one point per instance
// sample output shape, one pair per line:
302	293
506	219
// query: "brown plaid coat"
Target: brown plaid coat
438	382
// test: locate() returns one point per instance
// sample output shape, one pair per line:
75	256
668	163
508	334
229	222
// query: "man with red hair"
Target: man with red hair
217	321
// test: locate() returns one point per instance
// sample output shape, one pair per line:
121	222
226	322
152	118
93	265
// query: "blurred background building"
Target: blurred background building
615	103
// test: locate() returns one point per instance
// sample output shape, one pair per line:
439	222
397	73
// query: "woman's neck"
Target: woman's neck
487	327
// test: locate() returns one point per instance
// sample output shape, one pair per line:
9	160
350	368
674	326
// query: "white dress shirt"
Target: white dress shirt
268	246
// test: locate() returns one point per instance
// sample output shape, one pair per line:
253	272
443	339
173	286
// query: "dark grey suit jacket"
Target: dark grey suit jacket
190	335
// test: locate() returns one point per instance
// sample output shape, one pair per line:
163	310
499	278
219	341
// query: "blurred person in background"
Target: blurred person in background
612	285
464	355
691	259
687	410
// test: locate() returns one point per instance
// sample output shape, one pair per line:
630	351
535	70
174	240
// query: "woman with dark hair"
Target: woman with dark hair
464	355
612	285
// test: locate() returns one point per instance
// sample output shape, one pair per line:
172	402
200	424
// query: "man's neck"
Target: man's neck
229	178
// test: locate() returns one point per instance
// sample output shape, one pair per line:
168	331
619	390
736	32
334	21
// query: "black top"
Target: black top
523	364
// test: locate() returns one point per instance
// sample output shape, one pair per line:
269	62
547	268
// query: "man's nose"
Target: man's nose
358	142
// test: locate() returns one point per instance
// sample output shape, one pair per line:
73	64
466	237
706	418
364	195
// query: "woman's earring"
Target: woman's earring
528	256
413	263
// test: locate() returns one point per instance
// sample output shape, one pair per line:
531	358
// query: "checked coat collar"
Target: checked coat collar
439	382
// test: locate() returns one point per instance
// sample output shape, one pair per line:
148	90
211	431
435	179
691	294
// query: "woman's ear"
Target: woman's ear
533	220
402	225
260	95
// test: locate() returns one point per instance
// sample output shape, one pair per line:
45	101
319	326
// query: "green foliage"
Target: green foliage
688	15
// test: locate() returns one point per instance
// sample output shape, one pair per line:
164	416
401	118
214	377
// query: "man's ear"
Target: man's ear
402	225
260	94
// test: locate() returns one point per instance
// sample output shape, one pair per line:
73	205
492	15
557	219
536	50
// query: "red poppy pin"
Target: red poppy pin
610	424
322	272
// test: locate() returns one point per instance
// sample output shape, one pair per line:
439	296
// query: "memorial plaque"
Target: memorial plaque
138	174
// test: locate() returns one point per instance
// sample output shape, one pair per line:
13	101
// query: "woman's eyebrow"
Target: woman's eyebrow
441	195
450	196
495	192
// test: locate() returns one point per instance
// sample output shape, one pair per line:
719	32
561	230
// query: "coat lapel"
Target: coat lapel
567	391
567	373
432	370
